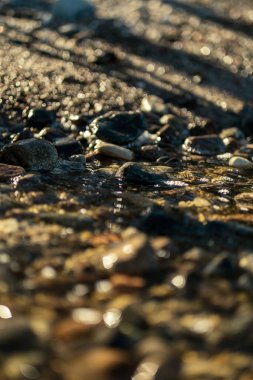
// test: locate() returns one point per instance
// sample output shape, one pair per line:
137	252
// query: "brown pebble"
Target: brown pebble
10	171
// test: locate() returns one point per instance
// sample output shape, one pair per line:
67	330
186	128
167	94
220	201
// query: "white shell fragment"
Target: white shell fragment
116	151
240	163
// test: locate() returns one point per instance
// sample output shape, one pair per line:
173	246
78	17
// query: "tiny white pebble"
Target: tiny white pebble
240	163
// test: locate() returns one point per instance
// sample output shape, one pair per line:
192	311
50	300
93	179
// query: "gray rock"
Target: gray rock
33	154
136	174
209	145
119	128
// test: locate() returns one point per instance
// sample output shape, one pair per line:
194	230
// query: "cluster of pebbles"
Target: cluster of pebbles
151	286
126	246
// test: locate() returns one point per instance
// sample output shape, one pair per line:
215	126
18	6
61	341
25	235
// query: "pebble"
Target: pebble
173	131
69	166
51	134
209	145
33	154
67	147
150	152
247	120
240	163
40	118
116	151
120	128
135	174
8	172
23	135
105	58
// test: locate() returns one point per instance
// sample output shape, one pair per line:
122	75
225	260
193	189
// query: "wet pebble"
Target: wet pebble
51	134
136	174
116	151
247	120
8	172
40	118
119	128
67	147
240	163
34	154
173	131
210	145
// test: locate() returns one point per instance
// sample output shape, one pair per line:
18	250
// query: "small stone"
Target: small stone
25	134
151	152
247	120
8	172
40	118
116	151
51	134
105	58
232	132
119	128
67	147
135	174
33	154
240	163
209	145
173	132
69	166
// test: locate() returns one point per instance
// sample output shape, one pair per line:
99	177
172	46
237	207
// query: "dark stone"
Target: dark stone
40	117
105	58
24	135
135	174
246	124
210	145
173	132
156	221
16	335
150	152
67	147
119	128
51	134
34	154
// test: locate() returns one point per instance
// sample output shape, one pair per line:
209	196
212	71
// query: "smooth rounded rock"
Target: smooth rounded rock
240	163
33	154
10	171
209	145
135	174
40	118
112	150
119	128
